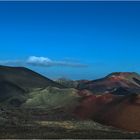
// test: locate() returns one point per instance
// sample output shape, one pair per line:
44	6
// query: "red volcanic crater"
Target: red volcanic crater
119	111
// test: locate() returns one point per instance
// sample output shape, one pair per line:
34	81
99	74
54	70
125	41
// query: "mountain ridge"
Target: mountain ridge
129	81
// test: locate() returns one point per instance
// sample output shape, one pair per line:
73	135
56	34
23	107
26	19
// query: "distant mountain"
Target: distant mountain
117	83
67	82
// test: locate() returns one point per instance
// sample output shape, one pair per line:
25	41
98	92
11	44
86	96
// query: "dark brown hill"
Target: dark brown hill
8	90
25	78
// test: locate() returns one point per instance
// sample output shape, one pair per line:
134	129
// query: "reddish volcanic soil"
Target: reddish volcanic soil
111	82
124	114
87	107
118	111
113	100
92	104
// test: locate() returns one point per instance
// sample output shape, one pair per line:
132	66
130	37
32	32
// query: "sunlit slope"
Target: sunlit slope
52	97
120	83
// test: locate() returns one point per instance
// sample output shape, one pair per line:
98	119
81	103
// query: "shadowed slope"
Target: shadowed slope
25	78
8	89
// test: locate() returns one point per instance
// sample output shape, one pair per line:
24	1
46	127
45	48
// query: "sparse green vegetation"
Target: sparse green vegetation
52	97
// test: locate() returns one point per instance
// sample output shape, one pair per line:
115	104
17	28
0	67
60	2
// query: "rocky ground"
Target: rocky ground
19	123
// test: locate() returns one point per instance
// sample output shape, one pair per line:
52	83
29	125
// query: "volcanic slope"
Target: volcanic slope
53	98
123	113
25	78
117	83
17	82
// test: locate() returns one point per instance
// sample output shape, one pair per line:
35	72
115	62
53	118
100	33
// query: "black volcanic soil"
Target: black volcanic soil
25	78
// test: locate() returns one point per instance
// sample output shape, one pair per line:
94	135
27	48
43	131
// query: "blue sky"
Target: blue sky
82	40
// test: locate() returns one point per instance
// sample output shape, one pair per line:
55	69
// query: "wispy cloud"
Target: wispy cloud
45	61
42	62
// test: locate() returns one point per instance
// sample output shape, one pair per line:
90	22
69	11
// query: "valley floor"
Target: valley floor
36	124
61	133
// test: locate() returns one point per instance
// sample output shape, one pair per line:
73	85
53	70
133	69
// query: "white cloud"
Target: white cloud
42	62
